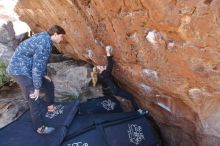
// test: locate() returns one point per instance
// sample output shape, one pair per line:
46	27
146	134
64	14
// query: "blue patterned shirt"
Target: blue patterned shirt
31	57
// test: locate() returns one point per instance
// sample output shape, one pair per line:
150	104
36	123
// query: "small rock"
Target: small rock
69	78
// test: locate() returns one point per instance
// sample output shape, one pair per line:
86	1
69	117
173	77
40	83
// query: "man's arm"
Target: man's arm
40	60
109	59
110	64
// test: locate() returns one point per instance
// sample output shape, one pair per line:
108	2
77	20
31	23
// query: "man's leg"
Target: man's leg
27	87
125	94
49	93
35	112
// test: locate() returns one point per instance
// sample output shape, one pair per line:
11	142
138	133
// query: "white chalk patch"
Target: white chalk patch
164	106
70	2
100	43
134	37
96	41
89	52
195	92
88	11
130	14
170	45
151	37
153	75
145	87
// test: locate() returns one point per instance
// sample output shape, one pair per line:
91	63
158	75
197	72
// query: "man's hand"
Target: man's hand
108	50
35	95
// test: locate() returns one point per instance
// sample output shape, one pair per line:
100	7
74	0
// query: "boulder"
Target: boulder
166	54
6	53
70	79
7	35
12	105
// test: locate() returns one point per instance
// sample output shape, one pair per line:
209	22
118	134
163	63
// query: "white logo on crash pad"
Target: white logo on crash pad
78	144
108	105
59	110
135	134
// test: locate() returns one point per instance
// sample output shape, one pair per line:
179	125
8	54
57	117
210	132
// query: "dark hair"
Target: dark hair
56	29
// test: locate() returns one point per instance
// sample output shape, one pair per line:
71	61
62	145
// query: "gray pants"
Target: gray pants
26	85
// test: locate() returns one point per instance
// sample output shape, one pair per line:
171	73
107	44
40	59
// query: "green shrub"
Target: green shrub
3	75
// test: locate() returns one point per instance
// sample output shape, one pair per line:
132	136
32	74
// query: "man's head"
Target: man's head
56	33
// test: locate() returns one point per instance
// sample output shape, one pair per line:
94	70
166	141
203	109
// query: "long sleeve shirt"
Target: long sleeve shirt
31	57
109	87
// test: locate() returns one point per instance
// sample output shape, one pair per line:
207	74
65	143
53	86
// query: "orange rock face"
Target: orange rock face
167	54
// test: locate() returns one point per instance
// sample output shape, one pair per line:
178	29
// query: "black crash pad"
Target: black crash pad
104	104
21	133
118	129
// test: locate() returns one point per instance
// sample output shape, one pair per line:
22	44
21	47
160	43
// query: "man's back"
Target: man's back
37	48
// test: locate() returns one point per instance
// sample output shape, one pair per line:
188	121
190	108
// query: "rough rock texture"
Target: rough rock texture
69	78
5	53
7	42
7	34
12	105
166	52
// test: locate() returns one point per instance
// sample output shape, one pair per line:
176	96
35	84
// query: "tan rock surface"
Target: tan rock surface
166	52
